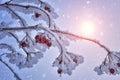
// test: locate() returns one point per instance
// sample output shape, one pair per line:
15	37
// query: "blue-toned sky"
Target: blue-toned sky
72	13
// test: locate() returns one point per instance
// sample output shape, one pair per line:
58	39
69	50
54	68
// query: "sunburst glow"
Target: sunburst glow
87	28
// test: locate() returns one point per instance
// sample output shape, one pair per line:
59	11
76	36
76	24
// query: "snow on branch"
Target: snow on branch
63	54
67	62
31	24
15	74
11	50
111	64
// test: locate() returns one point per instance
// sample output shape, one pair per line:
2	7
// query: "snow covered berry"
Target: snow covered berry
23	44
47	8
75	60
112	71
48	43
118	64
37	38
37	15
59	71
43	40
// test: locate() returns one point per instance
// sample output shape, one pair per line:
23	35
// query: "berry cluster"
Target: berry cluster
38	38
110	65
67	62
43	40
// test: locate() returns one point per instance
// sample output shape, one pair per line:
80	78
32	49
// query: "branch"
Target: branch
84	38
18	42
28	6
6	46
3	45
15	14
19	28
14	73
31	28
57	31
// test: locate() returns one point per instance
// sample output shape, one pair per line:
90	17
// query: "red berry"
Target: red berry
112	71
75	60
118	64
49	44
23	44
37	15
59	71
47	8
43	40
37	38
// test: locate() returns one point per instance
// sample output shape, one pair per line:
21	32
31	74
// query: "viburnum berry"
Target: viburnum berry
112	71
59	71
75	60
49	44
23	44
37	38
47	8
37	15
43	39
118	64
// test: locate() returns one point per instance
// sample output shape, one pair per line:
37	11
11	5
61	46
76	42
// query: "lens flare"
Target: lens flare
87	28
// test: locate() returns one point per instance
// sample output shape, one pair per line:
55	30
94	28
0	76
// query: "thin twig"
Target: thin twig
15	74
58	31
84	38
29	6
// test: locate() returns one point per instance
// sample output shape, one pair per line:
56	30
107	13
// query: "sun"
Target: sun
87	28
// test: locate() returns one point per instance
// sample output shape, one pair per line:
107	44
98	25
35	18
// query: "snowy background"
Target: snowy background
105	15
